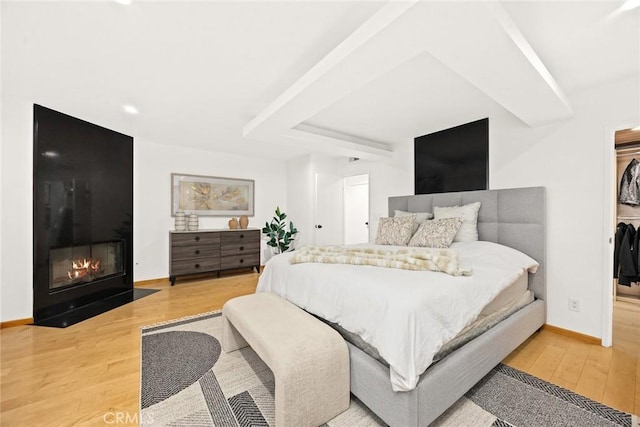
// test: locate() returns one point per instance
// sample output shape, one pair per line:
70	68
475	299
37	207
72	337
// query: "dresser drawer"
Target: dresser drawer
248	260
239	248
194	265
209	251
240	236
194	251
189	239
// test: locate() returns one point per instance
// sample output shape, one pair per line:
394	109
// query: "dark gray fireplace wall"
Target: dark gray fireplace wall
83	193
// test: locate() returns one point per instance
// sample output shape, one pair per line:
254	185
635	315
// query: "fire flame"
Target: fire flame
83	267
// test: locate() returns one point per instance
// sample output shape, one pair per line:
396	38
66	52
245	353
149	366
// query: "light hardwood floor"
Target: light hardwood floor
89	374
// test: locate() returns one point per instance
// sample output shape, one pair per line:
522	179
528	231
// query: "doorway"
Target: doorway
356	209
623	297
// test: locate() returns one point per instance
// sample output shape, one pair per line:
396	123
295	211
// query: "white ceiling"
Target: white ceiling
279	79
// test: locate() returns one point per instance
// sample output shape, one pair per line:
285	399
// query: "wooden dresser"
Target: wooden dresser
203	251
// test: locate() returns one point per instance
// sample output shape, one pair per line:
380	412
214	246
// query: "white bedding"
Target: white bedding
406	315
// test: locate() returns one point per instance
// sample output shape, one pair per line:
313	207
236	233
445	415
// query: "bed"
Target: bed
512	218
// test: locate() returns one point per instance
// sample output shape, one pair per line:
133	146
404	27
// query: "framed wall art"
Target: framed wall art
211	195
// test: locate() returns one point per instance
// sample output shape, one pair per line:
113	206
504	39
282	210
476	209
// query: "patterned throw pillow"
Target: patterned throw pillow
420	217
395	231
438	233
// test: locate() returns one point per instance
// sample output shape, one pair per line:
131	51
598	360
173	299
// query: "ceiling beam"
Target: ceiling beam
476	40
480	42
340	144
322	85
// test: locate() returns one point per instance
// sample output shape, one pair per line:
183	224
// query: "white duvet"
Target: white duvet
406	315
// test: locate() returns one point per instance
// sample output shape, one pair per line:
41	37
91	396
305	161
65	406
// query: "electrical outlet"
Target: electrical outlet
574	304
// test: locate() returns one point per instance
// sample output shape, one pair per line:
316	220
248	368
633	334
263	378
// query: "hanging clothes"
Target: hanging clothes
630	184
625	255
621	228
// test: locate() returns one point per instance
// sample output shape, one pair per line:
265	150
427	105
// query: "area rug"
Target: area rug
187	380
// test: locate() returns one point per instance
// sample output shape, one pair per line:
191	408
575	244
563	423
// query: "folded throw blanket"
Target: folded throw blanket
444	260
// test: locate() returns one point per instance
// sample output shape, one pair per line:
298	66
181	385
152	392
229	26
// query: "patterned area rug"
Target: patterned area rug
187	380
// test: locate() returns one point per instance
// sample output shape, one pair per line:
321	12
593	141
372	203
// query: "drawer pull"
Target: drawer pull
197	238
197	266
242	236
241	261
242	248
197	251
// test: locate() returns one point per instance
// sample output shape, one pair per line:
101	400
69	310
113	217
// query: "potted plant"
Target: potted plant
279	238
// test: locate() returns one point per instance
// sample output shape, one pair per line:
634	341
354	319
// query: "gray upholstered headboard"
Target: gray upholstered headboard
513	217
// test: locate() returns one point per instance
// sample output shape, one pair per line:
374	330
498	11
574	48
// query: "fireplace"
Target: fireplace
82	219
77	265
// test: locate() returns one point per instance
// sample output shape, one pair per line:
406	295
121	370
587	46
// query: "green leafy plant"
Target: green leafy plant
277	233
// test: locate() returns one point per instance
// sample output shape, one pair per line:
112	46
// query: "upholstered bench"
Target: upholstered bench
309	360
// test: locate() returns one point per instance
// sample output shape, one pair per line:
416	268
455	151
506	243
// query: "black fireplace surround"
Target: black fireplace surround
82	219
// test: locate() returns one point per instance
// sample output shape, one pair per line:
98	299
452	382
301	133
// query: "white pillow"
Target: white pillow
469	213
420	217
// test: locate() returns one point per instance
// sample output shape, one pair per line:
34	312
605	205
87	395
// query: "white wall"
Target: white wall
1	227
567	158
300	197
1	177
153	164
392	177
16	272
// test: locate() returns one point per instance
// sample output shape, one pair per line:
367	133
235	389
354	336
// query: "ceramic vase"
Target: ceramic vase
244	221
233	223
180	221
192	222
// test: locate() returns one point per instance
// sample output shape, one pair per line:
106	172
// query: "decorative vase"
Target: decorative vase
181	221
233	223
244	221
192	223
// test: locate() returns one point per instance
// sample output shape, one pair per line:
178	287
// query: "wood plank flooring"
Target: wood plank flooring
89	374
607	375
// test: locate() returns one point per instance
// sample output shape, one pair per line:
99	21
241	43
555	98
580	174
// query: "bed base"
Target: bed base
444	382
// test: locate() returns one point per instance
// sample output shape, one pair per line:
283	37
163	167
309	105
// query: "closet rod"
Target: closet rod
628	153
628	217
627	145
625	150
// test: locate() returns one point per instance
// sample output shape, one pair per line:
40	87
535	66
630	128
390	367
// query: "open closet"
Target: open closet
627	233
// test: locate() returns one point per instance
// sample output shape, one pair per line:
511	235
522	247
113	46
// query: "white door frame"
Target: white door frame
608	203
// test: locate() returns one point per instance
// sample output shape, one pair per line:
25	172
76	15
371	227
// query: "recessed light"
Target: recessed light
124	2
130	109
630	4
51	154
